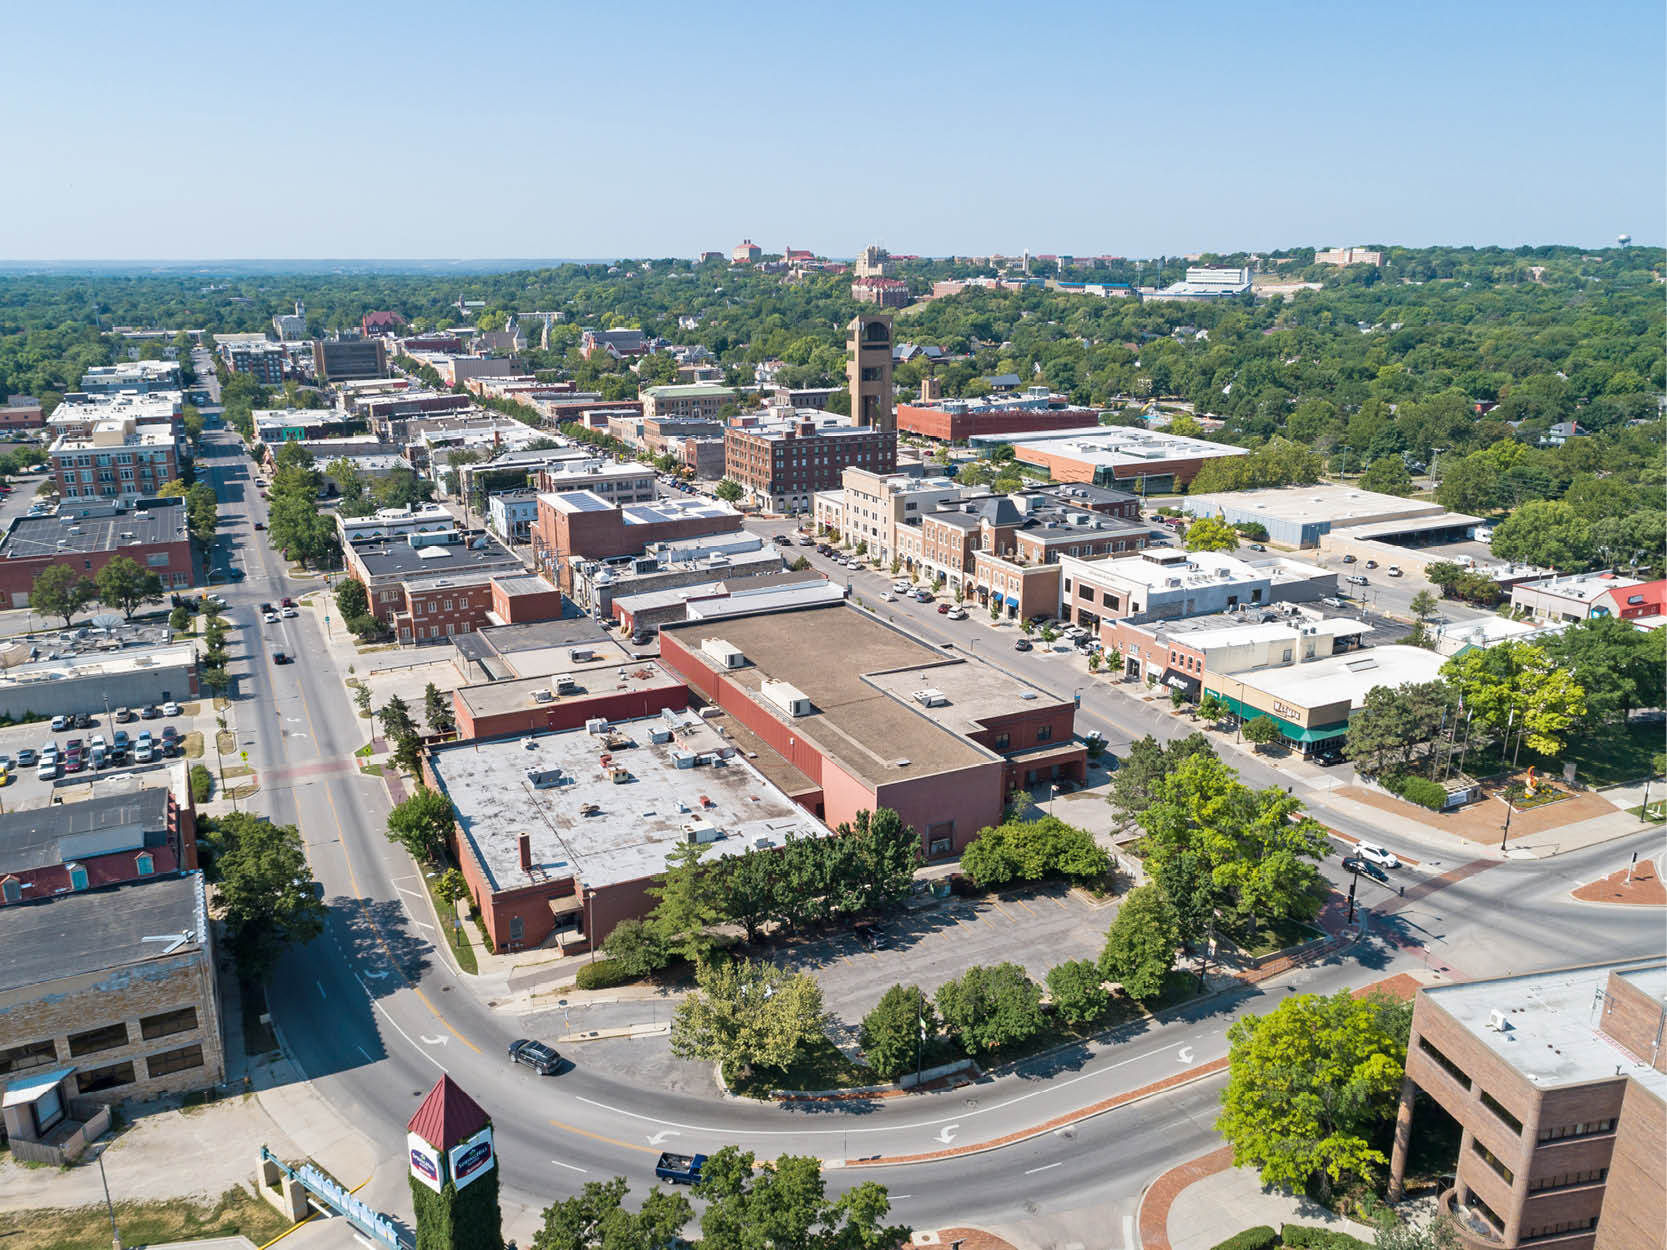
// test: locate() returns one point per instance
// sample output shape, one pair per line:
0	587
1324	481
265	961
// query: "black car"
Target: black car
642	638
1328	758
278	657
84	721
1365	868
1021	644
540	1058
871	936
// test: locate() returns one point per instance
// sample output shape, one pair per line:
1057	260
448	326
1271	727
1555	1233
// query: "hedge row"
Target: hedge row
1419	790
1259	1238
604	974
1308	1237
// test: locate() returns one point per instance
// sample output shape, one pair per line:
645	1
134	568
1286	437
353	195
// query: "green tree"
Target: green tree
1617	665
1210	533
59	590
395	716
728	490
1211	708
1033	850
635	947
351	599
437	710
747	1014
1388	475
884	855
1397	725
1077	988
1261	731
1146	763
1141	943
407	756
785	1204
988	1007
202	511
449	887
264	892
687	902
747	889
423	824
895	1029
1311	1088
1516	687
1545	532
596	1219
121	583
1423	604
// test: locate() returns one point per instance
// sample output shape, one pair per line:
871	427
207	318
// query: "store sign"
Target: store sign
425	1162
472	1159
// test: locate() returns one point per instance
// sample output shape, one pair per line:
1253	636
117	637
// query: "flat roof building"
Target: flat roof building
1575	597
432	586
1299	516
93	674
87	534
137	376
783	458
1558	1081
957	420
562	833
120	832
1165	583
1148	461
119	458
583	525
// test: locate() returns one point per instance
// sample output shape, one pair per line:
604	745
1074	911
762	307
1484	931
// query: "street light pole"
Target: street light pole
115	1233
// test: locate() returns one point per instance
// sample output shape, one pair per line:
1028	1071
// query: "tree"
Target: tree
1423	604
1210	533
1146	763
747	889
747	1014
785	1204
123	584
1312	1086
686	904
264	892
1211	708
423	824
1033	850
1619	666
1261	731
1077	988
1388	475
1396	725
1516	687
451	886
59	590
728	490
1141	943
395	716
885	854
635	947
596	1219
988	1007
351	599
408	752
437	710
202	512
1545	532
895	1029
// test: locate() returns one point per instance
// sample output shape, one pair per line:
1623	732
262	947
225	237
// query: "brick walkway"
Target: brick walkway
971	1239
1482	821
1431	884
1644	890
1160	1195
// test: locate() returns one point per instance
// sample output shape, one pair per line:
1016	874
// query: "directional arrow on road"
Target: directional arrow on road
661	1136
1186	1054
434	1041
376	973
947	1133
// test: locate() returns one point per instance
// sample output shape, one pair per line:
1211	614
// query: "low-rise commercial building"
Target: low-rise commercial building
1164	583
630	482
849	714
386	523
118	459
1300	516
431	586
598	686
1575	597
22	412
728	596
1203	282
869	505
581	525
295	425
1178	653
702	400
95	674
80	413
594	584
384	411
1311	703
957	420
512	514
1145	461
783	459
560	838
510	470
1633	603
105	995
138	377
87	534
1558	1082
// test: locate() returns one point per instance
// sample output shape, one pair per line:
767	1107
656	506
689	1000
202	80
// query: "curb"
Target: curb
1216	1161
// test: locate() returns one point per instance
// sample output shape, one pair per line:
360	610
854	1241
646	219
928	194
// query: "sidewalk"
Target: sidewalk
1198	1204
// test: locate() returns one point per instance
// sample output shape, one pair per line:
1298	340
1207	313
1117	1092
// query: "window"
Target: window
77	877
29	1055
1505	1117
174	1060
1002	741
1044	733
182	1020
104	1078
1585	1128
1568	1180
1561	1229
1085	592
144	864
1447	1065
1492	1160
94	1040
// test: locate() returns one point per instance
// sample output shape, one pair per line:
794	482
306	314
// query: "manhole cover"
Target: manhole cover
971	1102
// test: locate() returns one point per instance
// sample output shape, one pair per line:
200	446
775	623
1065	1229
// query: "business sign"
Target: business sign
425	1162
472	1159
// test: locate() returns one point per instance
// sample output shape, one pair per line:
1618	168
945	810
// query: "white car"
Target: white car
1357	580
271	618
290	612
887	597
957	614
1382	856
170	708
902	587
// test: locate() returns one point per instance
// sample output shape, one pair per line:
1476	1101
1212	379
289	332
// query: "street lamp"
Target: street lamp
115	1233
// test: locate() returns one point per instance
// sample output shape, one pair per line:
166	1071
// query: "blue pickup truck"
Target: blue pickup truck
679	1169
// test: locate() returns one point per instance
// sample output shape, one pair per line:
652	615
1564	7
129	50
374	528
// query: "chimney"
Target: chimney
526	852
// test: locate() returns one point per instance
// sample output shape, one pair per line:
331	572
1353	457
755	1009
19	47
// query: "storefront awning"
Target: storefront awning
566	905
1011	601
1184	682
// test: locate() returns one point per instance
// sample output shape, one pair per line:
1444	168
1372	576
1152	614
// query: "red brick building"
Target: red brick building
87	536
428	587
885	292
381	322
780	462
583	525
957	420
566	700
22	412
99	841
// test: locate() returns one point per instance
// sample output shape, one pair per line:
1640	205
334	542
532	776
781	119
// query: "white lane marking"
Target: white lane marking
900	1197
321	992
1129	1242
390	1019
403	890
1044	1168
660	1137
568	1166
420	924
366	1054
947	1133
802	1131
1185	1055
439	1040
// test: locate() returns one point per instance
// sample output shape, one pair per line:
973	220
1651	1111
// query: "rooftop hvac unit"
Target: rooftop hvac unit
726	654
931	698
543	778
596	725
580	655
684	759
565	684
699	829
542	696
787	697
1497	1022
659	736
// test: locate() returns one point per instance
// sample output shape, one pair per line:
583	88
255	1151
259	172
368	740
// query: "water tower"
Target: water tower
1623	239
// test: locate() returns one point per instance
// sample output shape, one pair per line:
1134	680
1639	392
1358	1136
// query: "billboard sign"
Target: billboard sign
472	1159
425	1161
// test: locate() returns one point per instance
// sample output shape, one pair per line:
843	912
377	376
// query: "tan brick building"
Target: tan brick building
1559	1083
112	989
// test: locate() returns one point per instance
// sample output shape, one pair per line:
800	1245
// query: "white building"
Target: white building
513	513
426	518
1570	598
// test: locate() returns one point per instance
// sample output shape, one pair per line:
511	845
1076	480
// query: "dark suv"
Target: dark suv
540	1058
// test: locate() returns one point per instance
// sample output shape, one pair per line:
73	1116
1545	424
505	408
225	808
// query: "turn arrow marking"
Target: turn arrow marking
661	1136
947	1133
1186	1054
433	1041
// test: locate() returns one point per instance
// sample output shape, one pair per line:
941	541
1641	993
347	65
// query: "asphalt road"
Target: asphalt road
372	1012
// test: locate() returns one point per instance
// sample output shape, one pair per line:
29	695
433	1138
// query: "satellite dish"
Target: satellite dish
107	620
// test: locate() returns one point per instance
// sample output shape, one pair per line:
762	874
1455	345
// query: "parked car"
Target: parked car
887	597
144	753
871	936
151	712
1371	564
1327	757
48	771
805	540
540	1058
287	602
27	757
957	614
84	721
902	587
74	762
1257	547
271	618
169	733
1355	579
123	715
120	740
679	1169
1348	559
1394	570
943	609
1382	856
60	723
170	708
260	525
782	540
1021	644
642	638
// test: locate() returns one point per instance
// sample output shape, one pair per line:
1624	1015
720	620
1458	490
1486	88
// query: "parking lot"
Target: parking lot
23	744
1035	927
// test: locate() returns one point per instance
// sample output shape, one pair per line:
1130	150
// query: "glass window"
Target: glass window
164	1023
186	1057
100	1079
107	1038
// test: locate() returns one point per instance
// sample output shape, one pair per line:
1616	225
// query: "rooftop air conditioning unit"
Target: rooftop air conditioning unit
543	778
542	696
565	684
931	698
1497	1022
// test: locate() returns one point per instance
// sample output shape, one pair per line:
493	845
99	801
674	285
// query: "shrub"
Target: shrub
1314	1238
202	783
1419	790
1259	1238
604	974
1077	990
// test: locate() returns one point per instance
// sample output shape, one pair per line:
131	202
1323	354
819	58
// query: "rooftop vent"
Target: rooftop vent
1497	1022
931	698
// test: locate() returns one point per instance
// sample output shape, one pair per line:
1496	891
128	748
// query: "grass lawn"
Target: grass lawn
193	745
363	752
143	1223
1606	758
1266	939
821	1066
455	935
1656	815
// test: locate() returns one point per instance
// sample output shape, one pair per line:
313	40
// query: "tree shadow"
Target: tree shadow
379	942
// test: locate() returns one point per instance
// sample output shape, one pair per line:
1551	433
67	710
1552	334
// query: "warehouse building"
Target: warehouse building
1300	516
1129	457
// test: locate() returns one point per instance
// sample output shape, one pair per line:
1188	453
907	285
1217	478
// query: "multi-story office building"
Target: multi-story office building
702	400
630	482
116	459
1558	1081
1348	256
86	534
782	461
869	505
263	361
885	292
341	360
137	376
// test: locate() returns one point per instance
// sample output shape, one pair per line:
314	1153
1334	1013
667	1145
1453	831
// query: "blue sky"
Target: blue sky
529	129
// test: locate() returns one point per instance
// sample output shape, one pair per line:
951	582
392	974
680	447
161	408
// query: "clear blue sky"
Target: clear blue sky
601	129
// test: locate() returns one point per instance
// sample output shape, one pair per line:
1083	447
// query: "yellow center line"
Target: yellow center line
611	1141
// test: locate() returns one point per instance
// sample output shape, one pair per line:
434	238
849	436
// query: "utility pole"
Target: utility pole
115	1233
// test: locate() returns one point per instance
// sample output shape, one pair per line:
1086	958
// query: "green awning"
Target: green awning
1295	733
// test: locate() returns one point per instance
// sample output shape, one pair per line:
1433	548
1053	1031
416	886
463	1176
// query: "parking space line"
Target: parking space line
1024	905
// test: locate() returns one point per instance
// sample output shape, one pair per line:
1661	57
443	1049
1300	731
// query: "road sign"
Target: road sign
243	755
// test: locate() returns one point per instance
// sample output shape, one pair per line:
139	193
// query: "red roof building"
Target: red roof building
1630	602
380	323
448	1116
